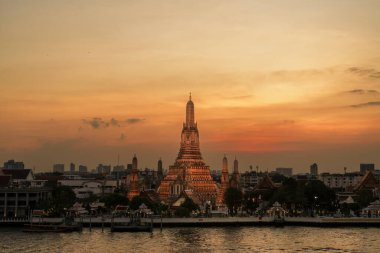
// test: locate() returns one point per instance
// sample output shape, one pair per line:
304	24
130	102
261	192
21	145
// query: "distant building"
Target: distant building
103	169
84	188
314	170
72	168
341	181
287	172
118	168
11	164
249	179
59	168
82	169
364	167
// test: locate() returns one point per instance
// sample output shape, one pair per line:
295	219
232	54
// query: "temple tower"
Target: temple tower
160	172
189	171
134	180
224	181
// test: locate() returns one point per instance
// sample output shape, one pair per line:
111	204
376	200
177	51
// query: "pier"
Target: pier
212	222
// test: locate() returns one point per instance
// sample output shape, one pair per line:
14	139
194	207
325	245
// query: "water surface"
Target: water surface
231	239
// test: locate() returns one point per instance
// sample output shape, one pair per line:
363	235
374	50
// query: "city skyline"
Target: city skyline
278	84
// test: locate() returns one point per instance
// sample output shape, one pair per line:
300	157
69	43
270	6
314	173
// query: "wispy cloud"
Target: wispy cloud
134	120
369	72
97	123
361	91
368	104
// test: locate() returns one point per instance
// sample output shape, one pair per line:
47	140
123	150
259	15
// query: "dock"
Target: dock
212	222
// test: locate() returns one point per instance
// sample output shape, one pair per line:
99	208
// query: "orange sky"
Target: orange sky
276	83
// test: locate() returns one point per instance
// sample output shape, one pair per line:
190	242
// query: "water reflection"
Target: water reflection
234	239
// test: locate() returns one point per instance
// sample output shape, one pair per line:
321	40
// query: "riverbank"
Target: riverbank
215	222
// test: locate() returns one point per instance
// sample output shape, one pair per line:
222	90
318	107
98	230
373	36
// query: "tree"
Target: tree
115	199
233	198
62	197
319	196
249	203
182	212
364	198
190	205
136	202
186	208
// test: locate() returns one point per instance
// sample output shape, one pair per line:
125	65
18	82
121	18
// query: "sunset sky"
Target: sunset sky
276	83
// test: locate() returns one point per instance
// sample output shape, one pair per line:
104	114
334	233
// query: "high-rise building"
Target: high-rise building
72	168
314	169
11	164
82	169
134	180
189	171
119	168
59	168
364	167
103	169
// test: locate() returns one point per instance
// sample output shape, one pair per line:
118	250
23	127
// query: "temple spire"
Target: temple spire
190	113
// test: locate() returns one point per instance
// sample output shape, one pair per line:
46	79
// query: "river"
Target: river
229	239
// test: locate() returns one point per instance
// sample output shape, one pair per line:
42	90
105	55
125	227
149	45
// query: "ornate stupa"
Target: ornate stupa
134	181
189	171
235	180
224	182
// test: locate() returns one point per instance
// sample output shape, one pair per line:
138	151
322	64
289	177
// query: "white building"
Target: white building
340	180
83	188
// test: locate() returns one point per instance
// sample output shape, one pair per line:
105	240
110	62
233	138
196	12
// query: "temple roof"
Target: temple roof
368	181
18	174
265	184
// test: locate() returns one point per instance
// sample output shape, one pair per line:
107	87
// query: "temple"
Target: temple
189	171
224	182
134	181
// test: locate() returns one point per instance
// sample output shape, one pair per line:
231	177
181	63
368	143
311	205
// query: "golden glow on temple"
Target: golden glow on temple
189	171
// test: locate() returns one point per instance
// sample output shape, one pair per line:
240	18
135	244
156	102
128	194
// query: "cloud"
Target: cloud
368	104
97	123
114	122
361	91
369	72
134	120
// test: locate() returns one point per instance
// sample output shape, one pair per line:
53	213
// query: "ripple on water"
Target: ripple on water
246	239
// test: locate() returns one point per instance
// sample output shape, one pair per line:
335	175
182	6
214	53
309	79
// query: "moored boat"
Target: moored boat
67	225
55	228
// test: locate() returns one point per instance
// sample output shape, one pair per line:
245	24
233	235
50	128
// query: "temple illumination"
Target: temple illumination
189	171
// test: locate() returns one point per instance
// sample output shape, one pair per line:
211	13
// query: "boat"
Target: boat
68	225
